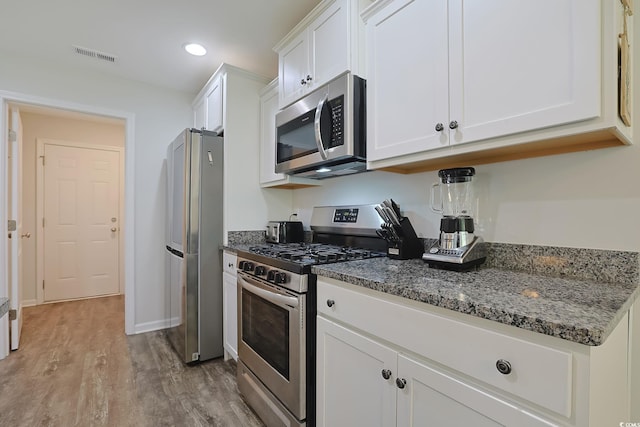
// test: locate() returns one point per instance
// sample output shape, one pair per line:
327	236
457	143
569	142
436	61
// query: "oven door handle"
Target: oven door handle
269	296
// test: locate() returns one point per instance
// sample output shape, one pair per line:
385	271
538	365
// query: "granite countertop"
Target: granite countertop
583	311
4	306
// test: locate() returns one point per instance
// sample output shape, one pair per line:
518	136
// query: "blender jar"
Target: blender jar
454	203
455	192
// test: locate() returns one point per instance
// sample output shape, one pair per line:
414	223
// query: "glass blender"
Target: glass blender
457	248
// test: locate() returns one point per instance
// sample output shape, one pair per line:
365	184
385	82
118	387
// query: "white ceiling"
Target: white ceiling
147	36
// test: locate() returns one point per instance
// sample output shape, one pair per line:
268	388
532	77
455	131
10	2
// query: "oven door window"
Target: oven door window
265	328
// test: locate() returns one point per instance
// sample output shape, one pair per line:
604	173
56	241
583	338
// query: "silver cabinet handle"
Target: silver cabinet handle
386	374
230	265
303	82
330	303
439	127
453	125
503	366
309	78
27	235
401	382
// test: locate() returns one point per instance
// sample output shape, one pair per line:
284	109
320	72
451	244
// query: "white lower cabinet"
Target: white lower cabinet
383	360
351	389
230	306
363	382
427	396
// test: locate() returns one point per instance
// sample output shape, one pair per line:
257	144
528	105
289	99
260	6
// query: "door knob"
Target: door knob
27	235
439	127
113	229
453	125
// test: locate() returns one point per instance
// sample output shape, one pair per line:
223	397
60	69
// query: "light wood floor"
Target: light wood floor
76	367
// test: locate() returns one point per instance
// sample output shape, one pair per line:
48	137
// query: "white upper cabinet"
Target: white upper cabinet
495	73
208	107
323	45
214	102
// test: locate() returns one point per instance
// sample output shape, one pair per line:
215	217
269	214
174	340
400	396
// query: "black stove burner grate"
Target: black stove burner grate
314	253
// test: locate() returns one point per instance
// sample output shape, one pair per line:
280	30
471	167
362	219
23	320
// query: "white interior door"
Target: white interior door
15	213
81	226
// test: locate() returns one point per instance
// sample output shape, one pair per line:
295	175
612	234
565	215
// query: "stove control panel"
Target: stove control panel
292	281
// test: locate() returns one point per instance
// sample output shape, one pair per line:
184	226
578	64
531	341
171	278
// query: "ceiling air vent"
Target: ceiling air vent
94	54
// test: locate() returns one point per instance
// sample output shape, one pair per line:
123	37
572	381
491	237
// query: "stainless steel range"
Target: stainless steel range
277	309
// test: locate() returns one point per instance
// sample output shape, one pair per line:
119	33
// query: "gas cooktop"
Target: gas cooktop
313	253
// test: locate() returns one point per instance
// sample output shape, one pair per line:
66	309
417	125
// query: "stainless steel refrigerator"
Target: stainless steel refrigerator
193	292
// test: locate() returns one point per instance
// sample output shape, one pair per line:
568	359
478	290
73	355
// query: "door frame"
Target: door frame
40	143
128	231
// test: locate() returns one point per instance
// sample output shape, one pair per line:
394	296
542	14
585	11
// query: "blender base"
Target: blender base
459	259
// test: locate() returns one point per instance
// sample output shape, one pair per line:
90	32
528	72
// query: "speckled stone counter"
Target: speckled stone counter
4	306
579	310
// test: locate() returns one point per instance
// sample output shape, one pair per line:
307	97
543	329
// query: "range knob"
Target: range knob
261	270
271	275
247	266
280	277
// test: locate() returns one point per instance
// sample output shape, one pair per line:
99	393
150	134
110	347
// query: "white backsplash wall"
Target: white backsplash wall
583	200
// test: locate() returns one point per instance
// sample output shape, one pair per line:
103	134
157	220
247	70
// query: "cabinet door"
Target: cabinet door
230	314
329	44
214	99
200	114
407	78
268	110
294	67
518	66
430	397
351	390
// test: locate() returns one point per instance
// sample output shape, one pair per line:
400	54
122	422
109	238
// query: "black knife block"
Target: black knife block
408	246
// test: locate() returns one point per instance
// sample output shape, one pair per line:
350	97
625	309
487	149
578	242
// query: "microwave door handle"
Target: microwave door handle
317	129
272	297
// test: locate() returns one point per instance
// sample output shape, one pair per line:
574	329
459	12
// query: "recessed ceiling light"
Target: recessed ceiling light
195	49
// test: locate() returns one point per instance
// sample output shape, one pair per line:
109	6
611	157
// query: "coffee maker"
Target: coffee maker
458	248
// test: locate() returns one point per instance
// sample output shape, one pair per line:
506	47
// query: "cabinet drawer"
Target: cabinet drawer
539	374
229	262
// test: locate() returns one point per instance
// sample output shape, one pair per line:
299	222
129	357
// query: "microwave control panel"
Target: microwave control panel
337	121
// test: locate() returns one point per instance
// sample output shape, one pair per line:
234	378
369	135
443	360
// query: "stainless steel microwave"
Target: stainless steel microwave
324	133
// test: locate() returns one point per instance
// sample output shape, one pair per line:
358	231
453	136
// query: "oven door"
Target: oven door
272	339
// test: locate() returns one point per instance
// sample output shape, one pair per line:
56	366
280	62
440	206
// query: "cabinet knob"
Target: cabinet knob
230	265
503	366
439	127
386	374
330	303
113	229
453	125
401	382
303	82
27	235
309	78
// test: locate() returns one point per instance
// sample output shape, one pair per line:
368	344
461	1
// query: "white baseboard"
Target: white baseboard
29	302
156	325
